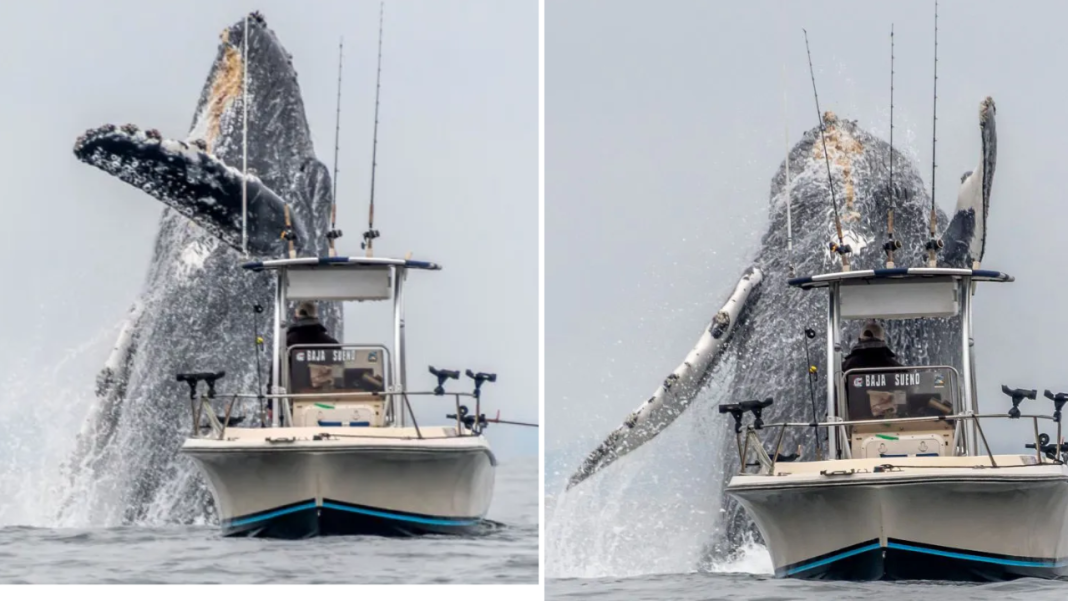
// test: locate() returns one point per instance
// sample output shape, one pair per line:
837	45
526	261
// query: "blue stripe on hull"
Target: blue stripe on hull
1005	561
403	517
905	560
833	558
308	519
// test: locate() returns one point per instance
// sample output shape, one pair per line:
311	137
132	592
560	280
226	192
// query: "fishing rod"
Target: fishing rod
891	244
498	420
244	139
934	244
335	233
371	233
841	248
789	220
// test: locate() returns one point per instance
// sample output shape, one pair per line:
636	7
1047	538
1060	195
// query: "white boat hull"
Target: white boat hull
944	518
283	483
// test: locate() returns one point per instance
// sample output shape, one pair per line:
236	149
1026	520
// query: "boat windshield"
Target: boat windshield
888	393
319	369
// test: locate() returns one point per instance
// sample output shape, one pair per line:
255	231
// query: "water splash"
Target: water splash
653	517
750	557
43	403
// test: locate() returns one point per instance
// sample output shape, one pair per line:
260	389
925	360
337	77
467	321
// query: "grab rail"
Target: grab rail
751	440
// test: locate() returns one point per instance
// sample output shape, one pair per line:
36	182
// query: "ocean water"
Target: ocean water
506	553
760	587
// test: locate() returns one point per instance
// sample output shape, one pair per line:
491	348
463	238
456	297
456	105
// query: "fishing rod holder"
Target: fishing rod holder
214	424
1059	400
736	412
443	375
194	378
756	408
480	378
751	441
1018	395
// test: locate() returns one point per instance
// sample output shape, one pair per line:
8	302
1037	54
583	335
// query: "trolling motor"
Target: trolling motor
1018	395
442	375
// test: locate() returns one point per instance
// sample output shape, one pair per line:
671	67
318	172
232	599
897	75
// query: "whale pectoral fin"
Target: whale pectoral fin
965	237
191	181
958	239
677	391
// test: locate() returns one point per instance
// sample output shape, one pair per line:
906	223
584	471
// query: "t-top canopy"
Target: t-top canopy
898	273
306	262
338	278
899	293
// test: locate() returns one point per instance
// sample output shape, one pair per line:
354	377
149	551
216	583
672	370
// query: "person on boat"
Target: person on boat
871	350
307	329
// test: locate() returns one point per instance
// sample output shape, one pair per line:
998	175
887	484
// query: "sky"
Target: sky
664	123
457	179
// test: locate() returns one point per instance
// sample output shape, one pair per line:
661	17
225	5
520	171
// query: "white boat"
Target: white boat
908	488
341	451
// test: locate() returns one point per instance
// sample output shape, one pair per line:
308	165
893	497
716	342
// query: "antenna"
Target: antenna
335	233
244	141
370	235
933	244
841	248
789	220
891	244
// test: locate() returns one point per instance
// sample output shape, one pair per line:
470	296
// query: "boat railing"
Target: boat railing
202	407
1056	453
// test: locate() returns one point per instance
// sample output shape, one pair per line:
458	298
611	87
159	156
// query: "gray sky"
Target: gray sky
665	124
457	180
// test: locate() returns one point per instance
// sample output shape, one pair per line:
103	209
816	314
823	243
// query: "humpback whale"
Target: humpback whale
198	307
755	343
